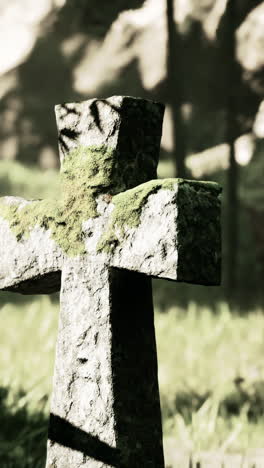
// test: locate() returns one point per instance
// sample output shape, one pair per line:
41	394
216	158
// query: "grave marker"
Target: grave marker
99	244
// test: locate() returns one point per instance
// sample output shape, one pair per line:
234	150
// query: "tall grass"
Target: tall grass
27	339
211	375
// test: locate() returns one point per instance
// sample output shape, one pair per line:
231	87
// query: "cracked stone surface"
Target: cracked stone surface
83	372
24	262
105	409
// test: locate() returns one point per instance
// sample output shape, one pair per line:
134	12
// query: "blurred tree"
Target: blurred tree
233	80
46	78
174	92
43	80
89	18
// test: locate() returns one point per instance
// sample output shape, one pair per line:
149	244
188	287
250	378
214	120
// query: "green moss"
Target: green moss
86	173
127	210
128	206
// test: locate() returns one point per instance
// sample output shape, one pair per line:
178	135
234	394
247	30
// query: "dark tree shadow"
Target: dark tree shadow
44	80
86	17
23	433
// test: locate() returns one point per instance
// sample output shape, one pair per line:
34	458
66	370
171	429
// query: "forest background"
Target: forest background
204	59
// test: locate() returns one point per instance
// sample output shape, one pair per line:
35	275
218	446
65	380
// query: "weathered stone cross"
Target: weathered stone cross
94	244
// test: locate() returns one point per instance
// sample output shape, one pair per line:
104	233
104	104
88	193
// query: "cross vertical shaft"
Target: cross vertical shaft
105	381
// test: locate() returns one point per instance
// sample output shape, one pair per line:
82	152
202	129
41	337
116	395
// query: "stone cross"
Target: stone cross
112	229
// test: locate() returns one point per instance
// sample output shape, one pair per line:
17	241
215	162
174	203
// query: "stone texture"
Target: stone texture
162	245
105	409
83	373
131	126
178	236
199	233
151	247
24	262
105	330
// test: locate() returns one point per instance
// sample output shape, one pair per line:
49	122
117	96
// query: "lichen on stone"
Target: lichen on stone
127	210
128	206
87	171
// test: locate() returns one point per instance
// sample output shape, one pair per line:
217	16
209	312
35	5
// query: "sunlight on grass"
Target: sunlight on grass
29	182
211	375
27	351
27	346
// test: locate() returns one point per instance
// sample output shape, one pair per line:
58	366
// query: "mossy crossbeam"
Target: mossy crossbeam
146	230
167	229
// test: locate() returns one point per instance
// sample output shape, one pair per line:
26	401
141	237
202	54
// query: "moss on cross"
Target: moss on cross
86	173
128	207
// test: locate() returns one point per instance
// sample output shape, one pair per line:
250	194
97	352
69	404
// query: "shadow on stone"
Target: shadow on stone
64	433
134	361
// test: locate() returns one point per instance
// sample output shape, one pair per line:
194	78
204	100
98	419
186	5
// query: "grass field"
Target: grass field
211	374
211	367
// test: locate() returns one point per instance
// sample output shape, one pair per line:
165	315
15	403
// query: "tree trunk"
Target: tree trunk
174	92
232	174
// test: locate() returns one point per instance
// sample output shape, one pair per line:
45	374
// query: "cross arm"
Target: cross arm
168	229
30	259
